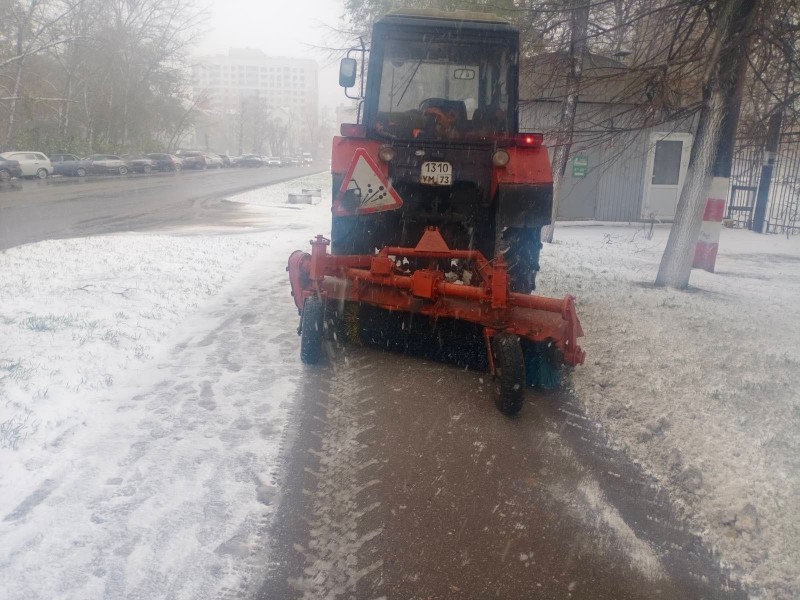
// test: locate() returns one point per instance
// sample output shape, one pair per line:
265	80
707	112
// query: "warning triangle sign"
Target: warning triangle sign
365	189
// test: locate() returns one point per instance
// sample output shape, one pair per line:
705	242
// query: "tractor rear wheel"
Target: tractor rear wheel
509	377
522	247
311	330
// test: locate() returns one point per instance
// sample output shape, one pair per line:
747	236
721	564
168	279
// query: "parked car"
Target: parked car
107	163
226	161
32	164
8	169
251	160
193	159
307	158
166	162
214	161
69	164
139	163
273	161
290	161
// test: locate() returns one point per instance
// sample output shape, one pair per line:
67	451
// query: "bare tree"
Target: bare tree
125	72
34	30
579	23
711	156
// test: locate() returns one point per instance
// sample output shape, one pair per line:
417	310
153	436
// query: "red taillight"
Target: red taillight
531	140
355	131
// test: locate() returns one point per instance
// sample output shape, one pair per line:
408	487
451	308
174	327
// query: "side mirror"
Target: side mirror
347	72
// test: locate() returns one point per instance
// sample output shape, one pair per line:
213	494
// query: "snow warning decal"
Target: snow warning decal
365	189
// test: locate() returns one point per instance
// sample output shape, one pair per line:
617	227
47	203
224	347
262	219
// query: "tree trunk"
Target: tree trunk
12	110
579	24
712	151
765	181
64	109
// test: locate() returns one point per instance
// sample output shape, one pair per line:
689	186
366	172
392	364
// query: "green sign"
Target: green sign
580	166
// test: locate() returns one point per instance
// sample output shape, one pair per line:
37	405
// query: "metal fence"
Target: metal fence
783	210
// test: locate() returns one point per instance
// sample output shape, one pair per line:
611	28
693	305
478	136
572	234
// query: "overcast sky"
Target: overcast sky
280	28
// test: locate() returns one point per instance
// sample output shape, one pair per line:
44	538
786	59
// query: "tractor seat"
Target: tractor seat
457	107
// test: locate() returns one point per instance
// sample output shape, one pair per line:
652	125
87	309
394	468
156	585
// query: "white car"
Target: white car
272	161
32	164
214	161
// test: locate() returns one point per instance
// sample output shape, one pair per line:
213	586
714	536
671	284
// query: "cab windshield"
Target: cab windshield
445	90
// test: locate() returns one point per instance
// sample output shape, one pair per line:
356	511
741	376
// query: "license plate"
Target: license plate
436	173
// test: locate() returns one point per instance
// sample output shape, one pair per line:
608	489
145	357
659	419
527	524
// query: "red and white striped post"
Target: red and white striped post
705	251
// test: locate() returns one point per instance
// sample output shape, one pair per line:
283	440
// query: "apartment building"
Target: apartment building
246	77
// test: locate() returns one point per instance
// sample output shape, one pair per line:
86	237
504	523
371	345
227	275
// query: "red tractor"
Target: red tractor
438	205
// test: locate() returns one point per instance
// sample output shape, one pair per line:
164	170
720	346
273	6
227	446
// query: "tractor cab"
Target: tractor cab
442	79
439	129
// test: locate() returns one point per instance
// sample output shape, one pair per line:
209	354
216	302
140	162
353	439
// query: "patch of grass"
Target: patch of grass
47	322
111	336
668	302
14	431
14	370
150	314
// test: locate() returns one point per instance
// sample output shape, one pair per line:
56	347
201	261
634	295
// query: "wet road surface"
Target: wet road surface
66	207
403	481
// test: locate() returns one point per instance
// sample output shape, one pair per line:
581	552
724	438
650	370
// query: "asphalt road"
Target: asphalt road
63	207
403	481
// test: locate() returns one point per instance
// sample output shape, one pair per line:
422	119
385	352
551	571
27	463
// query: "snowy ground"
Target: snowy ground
123	473
701	387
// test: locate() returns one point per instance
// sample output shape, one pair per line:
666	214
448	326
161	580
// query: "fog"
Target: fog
296	29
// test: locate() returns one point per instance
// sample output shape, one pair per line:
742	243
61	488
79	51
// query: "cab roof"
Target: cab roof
440	18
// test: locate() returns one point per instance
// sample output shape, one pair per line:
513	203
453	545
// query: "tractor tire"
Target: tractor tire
522	248
312	330
509	378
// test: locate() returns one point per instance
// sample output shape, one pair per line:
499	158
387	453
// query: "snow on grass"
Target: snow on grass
144	392
75	313
699	386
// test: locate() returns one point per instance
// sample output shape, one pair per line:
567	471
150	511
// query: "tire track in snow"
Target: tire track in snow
344	476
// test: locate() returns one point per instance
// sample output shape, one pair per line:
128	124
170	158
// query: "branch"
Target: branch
28	53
